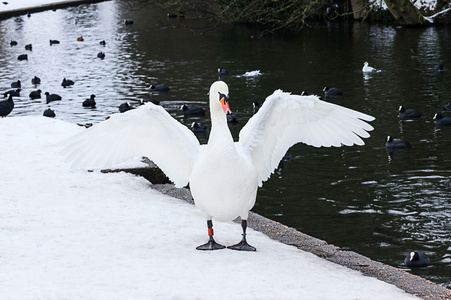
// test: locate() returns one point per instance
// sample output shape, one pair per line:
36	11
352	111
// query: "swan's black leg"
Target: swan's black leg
211	244
243	245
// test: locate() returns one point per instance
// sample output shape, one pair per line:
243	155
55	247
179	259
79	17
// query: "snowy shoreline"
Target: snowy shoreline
21	7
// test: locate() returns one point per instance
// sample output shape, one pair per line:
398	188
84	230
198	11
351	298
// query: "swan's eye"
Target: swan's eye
223	98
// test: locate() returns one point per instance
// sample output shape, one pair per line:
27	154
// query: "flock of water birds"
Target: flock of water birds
410	113
7	106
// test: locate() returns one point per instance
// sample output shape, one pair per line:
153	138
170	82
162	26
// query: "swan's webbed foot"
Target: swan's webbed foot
210	245
242	246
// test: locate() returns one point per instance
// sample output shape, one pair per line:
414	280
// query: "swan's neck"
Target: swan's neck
220	132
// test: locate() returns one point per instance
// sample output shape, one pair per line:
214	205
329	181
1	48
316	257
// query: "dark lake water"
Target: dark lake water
380	204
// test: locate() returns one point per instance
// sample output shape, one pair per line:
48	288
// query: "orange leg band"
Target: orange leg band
210	232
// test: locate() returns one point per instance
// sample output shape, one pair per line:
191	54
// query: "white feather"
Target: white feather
147	131
285	119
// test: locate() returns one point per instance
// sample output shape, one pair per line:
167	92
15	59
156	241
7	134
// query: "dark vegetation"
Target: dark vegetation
292	15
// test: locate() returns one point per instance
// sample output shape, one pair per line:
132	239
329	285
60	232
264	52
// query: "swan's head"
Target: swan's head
365	64
219	97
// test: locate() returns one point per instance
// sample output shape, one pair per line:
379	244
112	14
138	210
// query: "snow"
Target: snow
20	4
73	234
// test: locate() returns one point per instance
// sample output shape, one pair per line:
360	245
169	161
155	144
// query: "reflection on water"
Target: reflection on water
380	204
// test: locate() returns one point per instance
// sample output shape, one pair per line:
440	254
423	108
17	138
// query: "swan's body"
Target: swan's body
223	175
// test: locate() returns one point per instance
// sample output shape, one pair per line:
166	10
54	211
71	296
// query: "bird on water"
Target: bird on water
223	175
416	259
6	106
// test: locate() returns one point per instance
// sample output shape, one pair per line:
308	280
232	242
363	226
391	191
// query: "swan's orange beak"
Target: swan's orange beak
225	103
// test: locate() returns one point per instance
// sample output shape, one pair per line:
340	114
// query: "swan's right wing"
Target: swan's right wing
147	131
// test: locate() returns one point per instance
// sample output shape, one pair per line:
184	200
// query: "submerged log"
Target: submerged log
405	12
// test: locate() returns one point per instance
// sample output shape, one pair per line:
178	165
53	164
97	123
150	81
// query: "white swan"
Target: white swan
368	69
223	175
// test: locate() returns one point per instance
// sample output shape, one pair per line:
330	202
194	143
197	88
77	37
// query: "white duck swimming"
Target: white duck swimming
223	175
368	69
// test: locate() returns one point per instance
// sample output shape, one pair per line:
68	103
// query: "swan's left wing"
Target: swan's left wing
146	131
285	119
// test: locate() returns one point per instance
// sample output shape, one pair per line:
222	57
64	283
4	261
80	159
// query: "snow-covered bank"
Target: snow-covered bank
87	235
37	5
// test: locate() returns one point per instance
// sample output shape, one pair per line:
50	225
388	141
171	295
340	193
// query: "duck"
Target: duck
129	22
304	93
13	43
231	118
36	80
416	259
447	106
29	47
180	15
442	121
90	102
144	101
439	68
160	88
254	73
49	113
6	106
223	72
256	106
54	42
35	94
14	93
16	84
102	42
408	114
125	107
396	143
80	39
101	55
368	69
332	91
52	97
223	175
23	57
67	82
198	127
192	110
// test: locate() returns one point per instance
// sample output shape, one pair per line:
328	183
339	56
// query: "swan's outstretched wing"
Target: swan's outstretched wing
285	119
147	131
